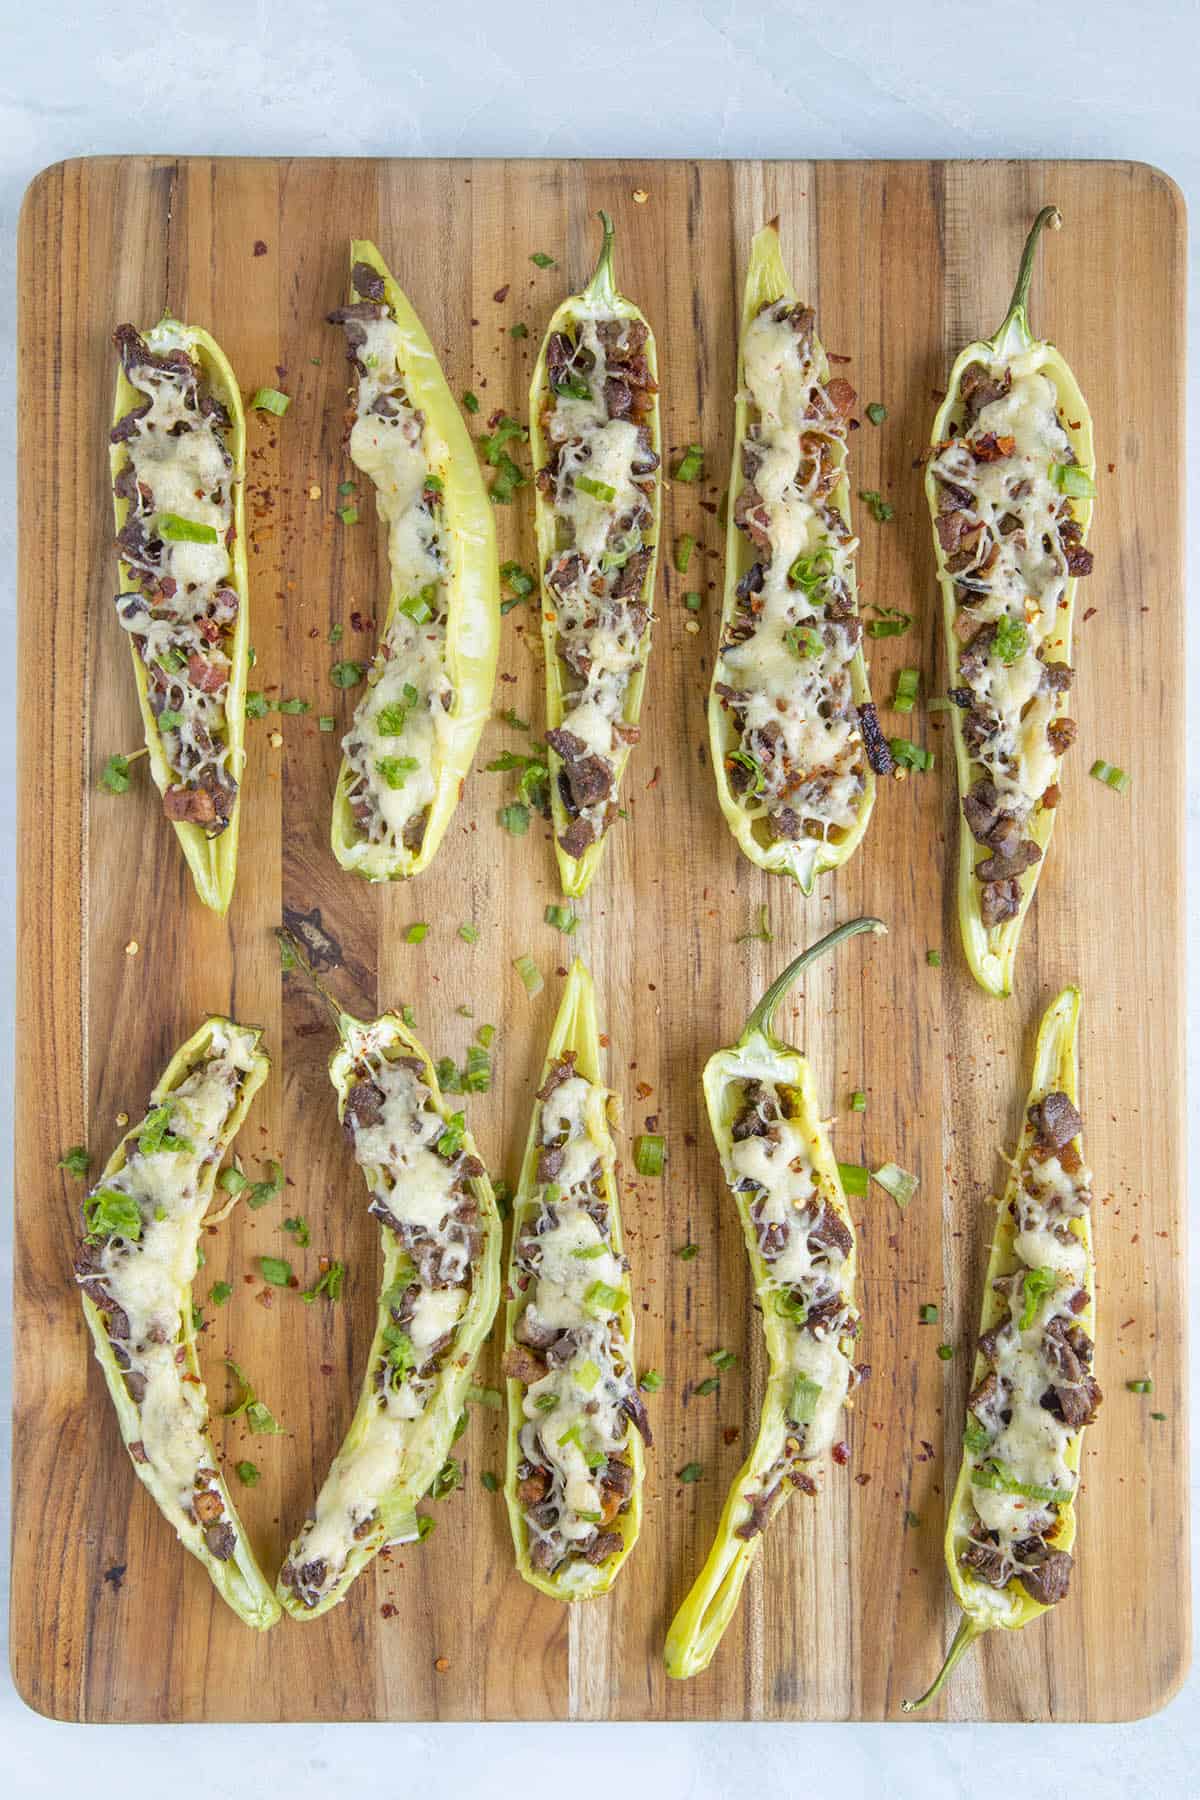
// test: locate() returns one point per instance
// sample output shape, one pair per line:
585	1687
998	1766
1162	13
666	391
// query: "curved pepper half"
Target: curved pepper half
181	1472
556	1367
986	1608
799	1411
212	860
598	301
991	950
472	597
802	857
388	1461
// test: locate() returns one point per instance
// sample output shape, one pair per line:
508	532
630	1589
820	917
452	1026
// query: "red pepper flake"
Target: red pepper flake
388	1611
643	1090
841	1454
1112	468
604	1040
1089	614
260	249
358	623
862	1480
442	1663
731	1434
834	357
653	781
325	1368
501	294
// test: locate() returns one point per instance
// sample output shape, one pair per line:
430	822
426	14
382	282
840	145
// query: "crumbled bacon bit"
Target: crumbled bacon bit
841	1454
388	1611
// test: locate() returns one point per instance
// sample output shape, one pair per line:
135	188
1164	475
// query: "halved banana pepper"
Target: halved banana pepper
594	434
576	1419
134	1266
795	741
775	1151
1011	1525
1009	480
177	455
440	1234
429	690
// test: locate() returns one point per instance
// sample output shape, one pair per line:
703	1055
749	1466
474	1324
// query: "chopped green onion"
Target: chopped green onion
709	1385
722	1359
996	1478
257	705
518	330
1036	1284
183	531
493	447
542	260
219	1293
416	934
112	1213
928	1314
470	401
390	720
1158	1415
75	1160
587	1375
693	601
601	1294
448	1477
294	707
934	958
753	767
231	1180
562	918
811	570
688	1252
1010	641
326	722
909	755
1111	776
649	1153
896	1181
477	1077
876	412
598	490
468	934
485	1034
346	674
877	506
764	934
803	642
417	607
908	682
1141	1386
530	974
802	1406
262	1191
434	484
515	818
248	1474
452	1138
890	623
488	1480
169	720
329	1283
481	1396
1069	478
546	1402
395	770
348	515
276	1270
691	465
911	1519
683	552
298	1228
114	777
858	1101
650	1381
853	1178
946	1352
691	1472
272	401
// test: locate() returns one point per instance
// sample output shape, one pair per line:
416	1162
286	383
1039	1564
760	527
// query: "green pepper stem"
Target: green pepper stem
760	1019
341	1018
1020	294
964	1637
602	286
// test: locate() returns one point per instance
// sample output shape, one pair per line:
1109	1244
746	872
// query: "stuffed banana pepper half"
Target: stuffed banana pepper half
440	1234
177	455
1010	481
134	1266
577	1422
429	689
766	1122
1011	1526
796	744
594	433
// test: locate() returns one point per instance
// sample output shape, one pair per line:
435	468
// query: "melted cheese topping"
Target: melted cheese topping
1014	498
602	505
400	726
423	1201
802	1270
149	1277
1027	1444
181	465
576	1417
789	651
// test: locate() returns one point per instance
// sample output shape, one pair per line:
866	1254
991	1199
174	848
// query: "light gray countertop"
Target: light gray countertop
662	78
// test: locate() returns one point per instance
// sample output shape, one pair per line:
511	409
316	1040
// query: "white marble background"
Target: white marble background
513	78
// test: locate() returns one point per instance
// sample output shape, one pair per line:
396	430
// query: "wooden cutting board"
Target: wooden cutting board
847	1610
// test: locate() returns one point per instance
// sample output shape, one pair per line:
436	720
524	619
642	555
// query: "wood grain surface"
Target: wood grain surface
848	1609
